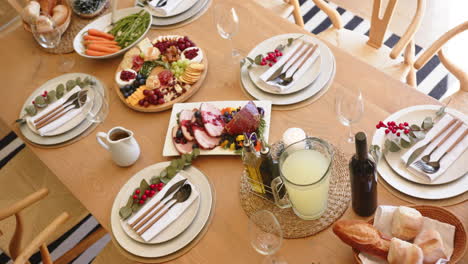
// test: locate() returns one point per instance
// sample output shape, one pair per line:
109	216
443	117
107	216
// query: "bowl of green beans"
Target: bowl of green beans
130	27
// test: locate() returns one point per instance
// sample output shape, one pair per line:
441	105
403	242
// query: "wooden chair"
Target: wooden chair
284	8
459	99
370	49
20	255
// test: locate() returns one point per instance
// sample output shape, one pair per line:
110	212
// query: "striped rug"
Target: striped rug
10	145
433	79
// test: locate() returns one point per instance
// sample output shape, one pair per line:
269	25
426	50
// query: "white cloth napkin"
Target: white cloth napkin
383	222
163	11
287	60
50	128
449	159
170	216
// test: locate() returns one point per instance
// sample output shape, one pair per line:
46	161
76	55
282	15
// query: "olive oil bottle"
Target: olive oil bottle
252	162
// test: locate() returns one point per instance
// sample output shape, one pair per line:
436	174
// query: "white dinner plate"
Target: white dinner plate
76	130
176	227
173	20
169	148
197	178
180	8
395	173
256	70
101	24
327	72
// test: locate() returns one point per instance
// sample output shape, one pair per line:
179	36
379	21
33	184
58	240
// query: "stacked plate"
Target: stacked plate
451	183
182	12
175	237
53	134
312	83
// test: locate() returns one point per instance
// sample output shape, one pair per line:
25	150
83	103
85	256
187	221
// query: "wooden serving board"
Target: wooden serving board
159	108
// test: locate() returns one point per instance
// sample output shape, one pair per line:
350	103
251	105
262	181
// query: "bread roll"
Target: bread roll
60	14
362	236
47	6
43	24
31	12
407	223
402	252
432	246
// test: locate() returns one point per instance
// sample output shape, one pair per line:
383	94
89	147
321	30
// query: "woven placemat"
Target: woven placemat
339	196
444	202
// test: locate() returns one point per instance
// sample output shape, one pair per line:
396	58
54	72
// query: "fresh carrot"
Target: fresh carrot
109	42
102	48
98	33
89	37
96	53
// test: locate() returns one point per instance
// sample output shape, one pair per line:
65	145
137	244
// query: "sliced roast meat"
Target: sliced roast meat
212	119
204	140
181	147
185	120
246	120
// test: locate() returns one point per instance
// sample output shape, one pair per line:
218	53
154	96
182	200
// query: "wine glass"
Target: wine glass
227	23
48	35
98	111
349	107
266	235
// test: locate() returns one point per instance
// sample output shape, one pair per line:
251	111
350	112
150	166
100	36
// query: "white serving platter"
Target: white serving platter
102	23
169	148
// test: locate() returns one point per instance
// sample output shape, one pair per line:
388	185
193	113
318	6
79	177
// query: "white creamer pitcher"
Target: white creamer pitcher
122	145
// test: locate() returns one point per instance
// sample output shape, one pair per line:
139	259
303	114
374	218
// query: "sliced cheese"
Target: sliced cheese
144	45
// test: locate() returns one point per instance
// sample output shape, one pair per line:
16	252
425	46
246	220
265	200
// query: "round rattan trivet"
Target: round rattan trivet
339	196
444	202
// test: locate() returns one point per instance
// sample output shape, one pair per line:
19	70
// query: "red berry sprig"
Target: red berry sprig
141	199
271	58
394	128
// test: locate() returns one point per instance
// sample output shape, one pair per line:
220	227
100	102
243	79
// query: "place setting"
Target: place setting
173	13
63	109
424	153
288	69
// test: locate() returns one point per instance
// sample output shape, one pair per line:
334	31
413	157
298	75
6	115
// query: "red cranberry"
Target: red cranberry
387	131
144	197
141	202
147	192
137	191
153	186
135	197
127	76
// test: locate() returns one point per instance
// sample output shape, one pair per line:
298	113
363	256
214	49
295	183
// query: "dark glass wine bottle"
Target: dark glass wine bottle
363	179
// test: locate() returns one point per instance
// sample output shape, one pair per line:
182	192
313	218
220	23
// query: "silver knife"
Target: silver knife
170	191
281	69
417	152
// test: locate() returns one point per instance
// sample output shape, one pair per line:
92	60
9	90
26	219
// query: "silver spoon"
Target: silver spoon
427	158
433	166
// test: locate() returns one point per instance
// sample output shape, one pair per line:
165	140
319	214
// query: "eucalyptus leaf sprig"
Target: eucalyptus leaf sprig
148	189
396	140
260	57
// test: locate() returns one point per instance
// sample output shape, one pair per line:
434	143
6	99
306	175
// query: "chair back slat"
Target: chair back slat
379	25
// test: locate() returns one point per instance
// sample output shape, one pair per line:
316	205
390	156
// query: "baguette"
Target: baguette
362	236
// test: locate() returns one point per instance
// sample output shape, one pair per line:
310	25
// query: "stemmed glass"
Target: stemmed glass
227	24
266	235
349	107
48	35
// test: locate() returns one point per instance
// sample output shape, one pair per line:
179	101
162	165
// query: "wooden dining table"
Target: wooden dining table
87	171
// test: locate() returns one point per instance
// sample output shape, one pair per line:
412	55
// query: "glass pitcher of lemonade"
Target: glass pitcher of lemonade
305	169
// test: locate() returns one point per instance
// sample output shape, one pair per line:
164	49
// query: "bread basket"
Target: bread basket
442	215
63	27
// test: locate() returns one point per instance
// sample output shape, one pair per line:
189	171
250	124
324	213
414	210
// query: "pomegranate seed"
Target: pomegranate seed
137	191
387	131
